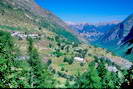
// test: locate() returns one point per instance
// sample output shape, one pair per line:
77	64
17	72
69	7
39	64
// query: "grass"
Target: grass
73	69
10	28
4	5
61	83
60	31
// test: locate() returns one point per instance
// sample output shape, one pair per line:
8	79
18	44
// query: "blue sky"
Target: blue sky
89	10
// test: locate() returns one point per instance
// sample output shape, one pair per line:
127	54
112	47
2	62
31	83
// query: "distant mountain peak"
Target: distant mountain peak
78	23
108	23
92	31
96	24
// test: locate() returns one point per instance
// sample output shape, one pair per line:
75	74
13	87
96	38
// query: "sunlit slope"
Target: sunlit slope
56	41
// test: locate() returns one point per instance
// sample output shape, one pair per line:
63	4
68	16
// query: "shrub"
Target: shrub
81	64
58	54
62	69
49	62
69	60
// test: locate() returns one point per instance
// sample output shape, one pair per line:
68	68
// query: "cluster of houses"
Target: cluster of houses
23	36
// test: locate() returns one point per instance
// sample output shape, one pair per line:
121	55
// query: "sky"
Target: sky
89	10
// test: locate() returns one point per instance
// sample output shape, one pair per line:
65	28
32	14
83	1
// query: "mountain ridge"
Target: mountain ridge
119	38
90	31
119	31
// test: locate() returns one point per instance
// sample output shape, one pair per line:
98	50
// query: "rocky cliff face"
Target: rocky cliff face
120	37
128	38
120	31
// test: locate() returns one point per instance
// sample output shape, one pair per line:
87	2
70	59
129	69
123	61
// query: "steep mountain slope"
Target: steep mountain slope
120	31
129	37
128	41
119	39
40	16
35	9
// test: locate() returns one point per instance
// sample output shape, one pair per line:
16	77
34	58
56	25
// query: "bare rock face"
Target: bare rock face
120	38
128	40
120	31
129	37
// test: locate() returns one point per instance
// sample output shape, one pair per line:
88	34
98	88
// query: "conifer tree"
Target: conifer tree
6	58
89	79
40	77
12	73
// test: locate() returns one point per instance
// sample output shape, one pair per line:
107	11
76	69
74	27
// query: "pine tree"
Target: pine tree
128	83
89	79
12	75
102	72
6	58
40	77
109	79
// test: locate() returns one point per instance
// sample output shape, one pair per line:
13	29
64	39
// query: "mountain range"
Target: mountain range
115	36
92	32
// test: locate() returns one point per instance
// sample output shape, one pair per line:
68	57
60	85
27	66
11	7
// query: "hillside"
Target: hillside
128	37
119	31
118	38
36	10
127	44
37	50
32	13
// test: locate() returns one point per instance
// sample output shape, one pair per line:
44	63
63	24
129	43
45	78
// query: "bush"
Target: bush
69	60
81	64
62	69
53	71
82	53
75	45
50	45
49	62
66	70
58	54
